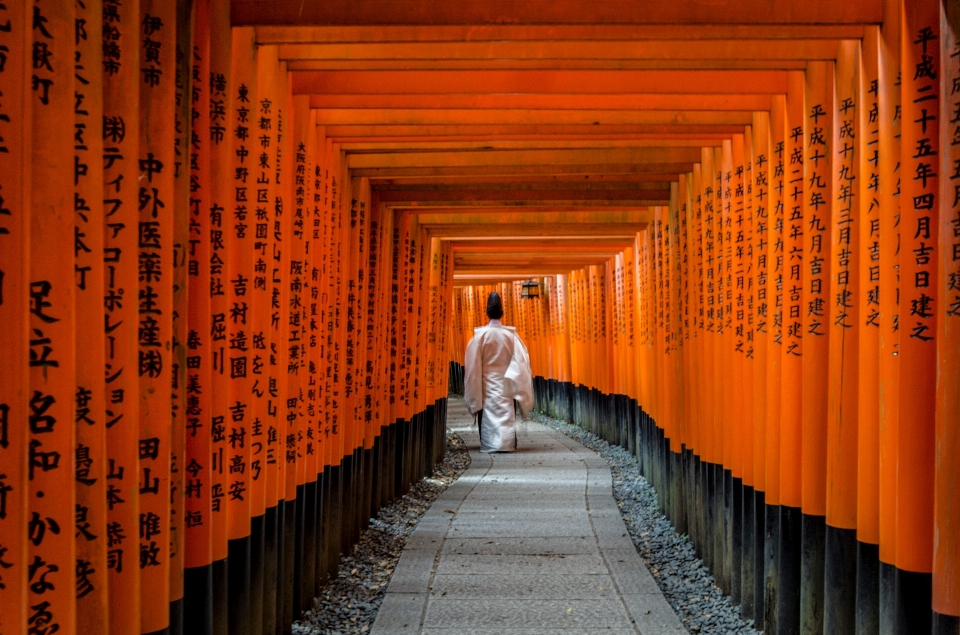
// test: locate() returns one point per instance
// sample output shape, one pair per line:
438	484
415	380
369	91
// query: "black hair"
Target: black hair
494	306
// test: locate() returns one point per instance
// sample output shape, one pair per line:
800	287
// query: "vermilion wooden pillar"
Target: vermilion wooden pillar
15	213
919	223
121	122
201	463
794	278
868	359
51	548
157	45
889	113
844	325
946	556
91	503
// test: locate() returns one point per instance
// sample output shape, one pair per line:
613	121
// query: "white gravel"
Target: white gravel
680	574
349	604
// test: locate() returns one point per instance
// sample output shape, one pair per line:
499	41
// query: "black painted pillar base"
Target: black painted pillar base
840	581
788	598
771	569
759	556
176	617
736	541
239	574
197	600
748	555
271	543
945	624
290	521
888	599
257	556
914	598
221	595
868	589
813	549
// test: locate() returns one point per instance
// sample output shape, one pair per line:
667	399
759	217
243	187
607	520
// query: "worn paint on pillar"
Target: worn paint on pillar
90	454
15	213
51	551
157	37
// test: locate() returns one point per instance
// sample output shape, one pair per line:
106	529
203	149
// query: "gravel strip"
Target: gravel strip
680	574
349	604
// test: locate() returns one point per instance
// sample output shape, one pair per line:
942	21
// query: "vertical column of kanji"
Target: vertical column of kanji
888	105
772	144
286	416
302	134
760	135
735	277
630	326
434	366
743	314
921	88
817	218
788	602
751	426
226	443
727	361
91	509
52	548
721	446
121	99
201	462
843	326
351	371
264	434
946	557
708	304
775	282
234	158
156	228
704	361
15	145
181	317
742	221
692	335
677	280
867	302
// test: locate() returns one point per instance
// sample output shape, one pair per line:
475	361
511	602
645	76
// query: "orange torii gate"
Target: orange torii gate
744	232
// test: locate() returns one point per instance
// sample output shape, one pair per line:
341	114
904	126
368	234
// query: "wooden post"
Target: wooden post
91	510
919	221
51	549
15	213
157	37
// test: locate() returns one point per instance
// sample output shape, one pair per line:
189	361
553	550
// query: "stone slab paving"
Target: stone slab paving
527	543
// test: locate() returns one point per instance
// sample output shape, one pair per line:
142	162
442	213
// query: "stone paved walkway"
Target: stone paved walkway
523	544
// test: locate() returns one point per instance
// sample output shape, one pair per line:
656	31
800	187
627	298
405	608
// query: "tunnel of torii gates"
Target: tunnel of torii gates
741	216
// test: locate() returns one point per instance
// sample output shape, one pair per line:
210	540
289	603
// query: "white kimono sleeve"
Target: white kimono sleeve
518	380
473	376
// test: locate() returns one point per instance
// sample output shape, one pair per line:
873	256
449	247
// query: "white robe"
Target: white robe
497	371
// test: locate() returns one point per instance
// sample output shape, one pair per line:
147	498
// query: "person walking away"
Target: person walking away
497	372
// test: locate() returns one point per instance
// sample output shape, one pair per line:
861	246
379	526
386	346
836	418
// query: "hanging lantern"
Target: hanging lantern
530	289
